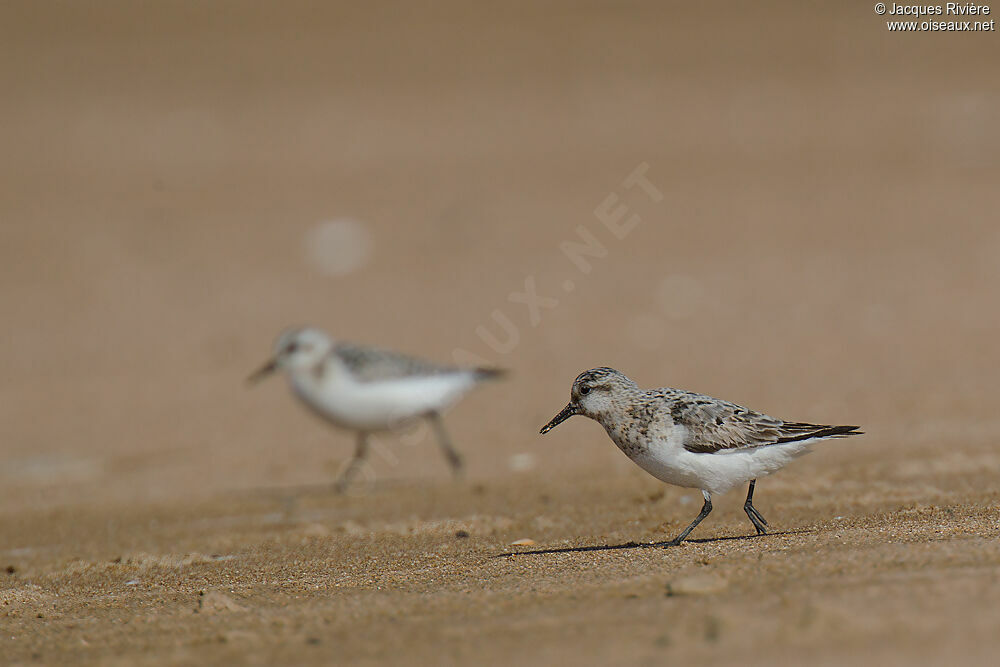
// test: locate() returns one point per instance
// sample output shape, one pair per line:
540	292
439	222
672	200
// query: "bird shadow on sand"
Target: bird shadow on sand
644	545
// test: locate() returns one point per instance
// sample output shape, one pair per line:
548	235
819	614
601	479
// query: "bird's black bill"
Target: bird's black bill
566	413
263	372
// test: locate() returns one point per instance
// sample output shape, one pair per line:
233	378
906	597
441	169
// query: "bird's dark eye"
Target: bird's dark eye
291	348
584	390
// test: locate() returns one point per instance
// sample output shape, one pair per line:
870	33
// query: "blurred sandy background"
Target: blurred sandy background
825	249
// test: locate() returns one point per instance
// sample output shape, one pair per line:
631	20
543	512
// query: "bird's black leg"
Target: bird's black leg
453	457
706	509
758	521
355	464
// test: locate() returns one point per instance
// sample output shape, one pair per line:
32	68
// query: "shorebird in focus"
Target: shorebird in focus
692	440
367	390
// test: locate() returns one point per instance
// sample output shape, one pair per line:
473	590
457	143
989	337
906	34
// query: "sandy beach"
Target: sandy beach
813	235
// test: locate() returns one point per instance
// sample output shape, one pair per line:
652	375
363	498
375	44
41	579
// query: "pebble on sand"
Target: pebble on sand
213	602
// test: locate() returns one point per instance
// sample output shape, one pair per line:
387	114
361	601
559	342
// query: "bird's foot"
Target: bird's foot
457	466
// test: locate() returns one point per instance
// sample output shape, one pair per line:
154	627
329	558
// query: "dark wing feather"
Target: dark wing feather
713	425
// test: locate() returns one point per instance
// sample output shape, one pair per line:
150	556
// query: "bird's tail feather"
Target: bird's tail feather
490	373
801	431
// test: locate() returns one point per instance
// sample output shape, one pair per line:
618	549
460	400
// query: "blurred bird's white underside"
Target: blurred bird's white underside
382	404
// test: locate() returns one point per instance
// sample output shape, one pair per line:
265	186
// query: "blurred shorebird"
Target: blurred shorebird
692	440
366	390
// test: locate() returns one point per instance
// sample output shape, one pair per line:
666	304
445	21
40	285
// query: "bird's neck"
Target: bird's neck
609	420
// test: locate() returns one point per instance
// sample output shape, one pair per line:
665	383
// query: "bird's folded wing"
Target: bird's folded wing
712	426
371	364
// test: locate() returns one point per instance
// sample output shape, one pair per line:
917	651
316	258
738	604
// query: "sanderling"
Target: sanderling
366	389
689	439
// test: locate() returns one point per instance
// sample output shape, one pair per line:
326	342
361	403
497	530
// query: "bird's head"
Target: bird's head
595	393
296	349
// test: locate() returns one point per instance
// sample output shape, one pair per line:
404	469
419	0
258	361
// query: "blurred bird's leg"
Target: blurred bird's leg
758	521
706	509
360	456
453	457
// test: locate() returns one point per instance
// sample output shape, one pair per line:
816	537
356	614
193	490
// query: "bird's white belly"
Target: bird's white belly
668	469
381	404
666	459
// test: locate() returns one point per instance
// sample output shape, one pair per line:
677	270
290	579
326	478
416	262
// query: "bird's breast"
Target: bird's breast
658	450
